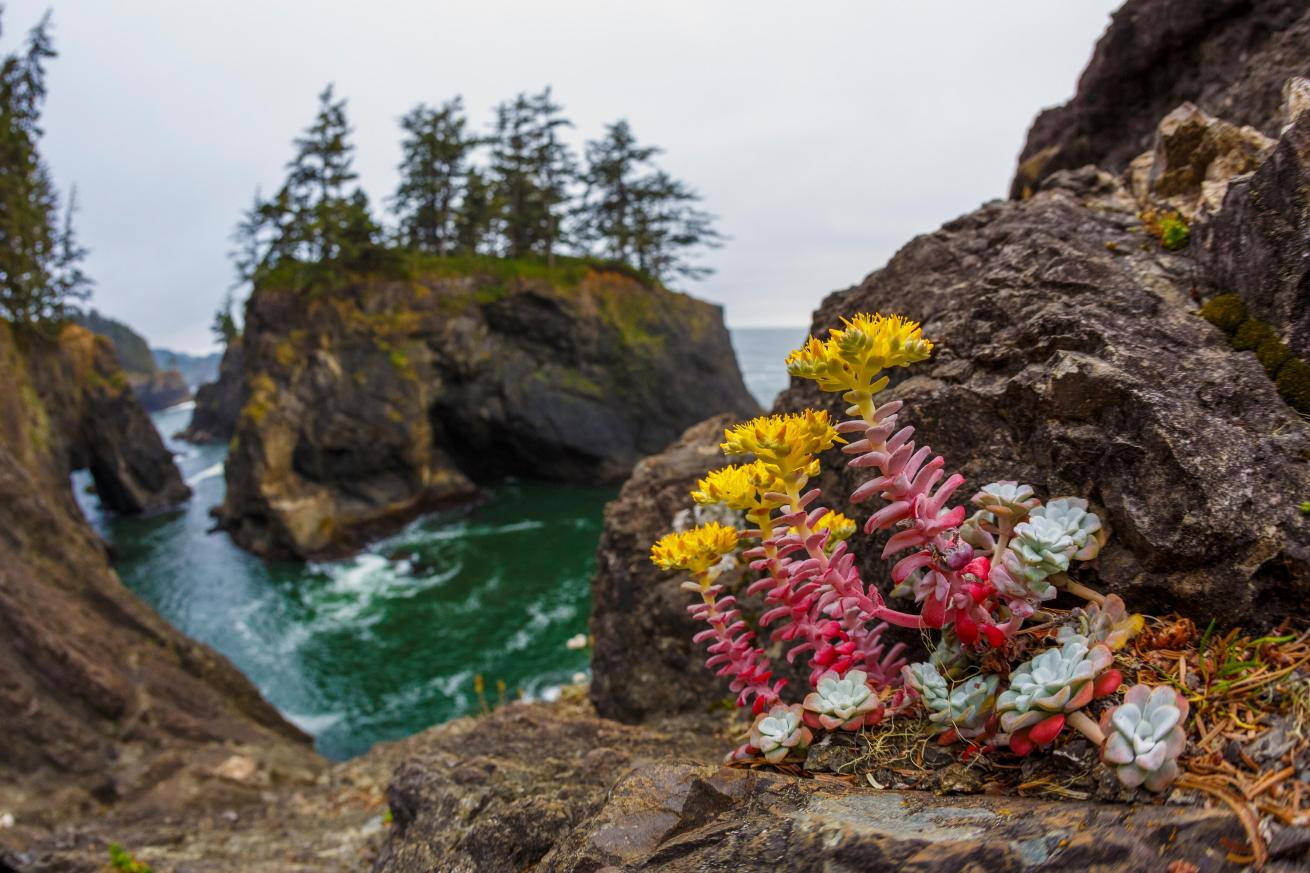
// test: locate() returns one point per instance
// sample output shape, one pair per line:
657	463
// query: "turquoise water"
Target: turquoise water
388	642
760	354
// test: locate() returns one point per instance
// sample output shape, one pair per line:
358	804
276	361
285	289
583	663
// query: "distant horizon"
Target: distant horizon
818	171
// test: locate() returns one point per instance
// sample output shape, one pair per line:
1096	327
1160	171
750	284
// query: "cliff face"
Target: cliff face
218	403
379	400
156	388
1230	57
102	700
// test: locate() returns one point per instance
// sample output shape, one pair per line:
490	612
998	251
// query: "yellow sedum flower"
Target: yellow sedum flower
737	486
695	550
839	527
853	356
785	444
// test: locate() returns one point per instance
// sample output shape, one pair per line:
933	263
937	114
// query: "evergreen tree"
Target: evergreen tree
637	213
667	223
224	326
313	219
532	173
40	258
475	215
607	215
436	150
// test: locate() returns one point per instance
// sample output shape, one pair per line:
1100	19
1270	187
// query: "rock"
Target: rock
1194	158
1077	367
527	776
1229	57
639	622
103	701
1258	245
218	403
529	771
1083	370
161	389
369	404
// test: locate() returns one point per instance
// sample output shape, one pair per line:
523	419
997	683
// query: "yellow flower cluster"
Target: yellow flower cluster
839	527
853	356
785	444
737	486
695	550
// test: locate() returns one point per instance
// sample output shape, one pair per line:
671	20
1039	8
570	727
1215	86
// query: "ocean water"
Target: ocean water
388	642
760	354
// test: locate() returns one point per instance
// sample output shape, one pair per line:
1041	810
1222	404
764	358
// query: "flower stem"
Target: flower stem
1063	581
1080	722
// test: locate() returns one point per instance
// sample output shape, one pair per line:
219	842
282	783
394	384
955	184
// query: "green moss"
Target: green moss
263	392
1294	384
123	862
1168	226
285	352
1226	312
1251	333
1272	355
398	359
578	382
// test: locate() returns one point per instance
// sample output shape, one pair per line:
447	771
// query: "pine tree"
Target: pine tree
224	327
475	215
639	214
40	259
433	169
313	219
532	173
607	214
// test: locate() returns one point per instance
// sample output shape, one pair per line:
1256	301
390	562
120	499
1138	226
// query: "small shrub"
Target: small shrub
1226	312
1251	333
1272	355
1293	384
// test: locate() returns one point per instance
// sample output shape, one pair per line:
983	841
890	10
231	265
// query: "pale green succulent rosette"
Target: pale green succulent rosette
1083	527
779	731
1144	736
1056	681
963	708
1109	623
1008	499
842	702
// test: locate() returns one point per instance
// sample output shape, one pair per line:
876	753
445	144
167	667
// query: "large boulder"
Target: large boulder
102	699
1229	57
160	389
556	789
1258	245
1069	356
375	401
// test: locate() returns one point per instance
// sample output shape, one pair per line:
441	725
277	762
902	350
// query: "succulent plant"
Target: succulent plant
1008	499
1144	736
1047	687
842	702
1043	545
959	710
1083	527
1109	623
779	731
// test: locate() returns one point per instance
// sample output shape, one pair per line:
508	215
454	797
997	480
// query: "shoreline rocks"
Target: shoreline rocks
369	404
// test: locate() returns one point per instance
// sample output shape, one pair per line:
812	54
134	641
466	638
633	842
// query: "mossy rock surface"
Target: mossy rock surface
1225	311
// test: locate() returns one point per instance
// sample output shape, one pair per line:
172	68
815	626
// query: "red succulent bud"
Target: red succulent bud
1108	682
995	636
966	629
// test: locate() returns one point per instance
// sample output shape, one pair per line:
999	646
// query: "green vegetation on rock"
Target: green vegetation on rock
1291	375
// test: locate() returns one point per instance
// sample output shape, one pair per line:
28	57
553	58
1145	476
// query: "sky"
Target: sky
823	135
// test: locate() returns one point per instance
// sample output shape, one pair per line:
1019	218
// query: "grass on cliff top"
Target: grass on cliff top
403	264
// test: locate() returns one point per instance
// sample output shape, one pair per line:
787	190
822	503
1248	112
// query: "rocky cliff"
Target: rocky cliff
1229	57
156	388
367	404
104	703
218	403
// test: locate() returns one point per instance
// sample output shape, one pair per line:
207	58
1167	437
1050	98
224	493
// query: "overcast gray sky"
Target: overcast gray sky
824	135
